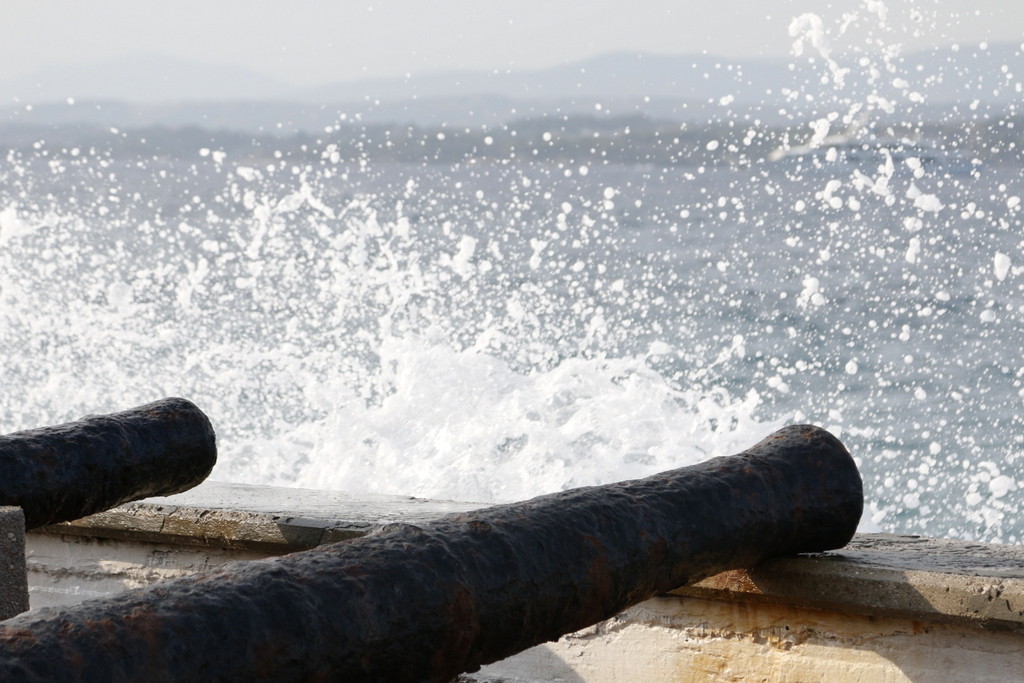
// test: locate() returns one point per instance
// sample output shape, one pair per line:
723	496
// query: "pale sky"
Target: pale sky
305	42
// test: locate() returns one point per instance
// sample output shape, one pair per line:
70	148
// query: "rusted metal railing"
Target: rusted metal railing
426	603
68	471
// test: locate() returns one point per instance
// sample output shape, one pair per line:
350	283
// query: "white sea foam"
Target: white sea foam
335	348
464	425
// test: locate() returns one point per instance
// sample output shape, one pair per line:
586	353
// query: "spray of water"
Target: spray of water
348	341
501	326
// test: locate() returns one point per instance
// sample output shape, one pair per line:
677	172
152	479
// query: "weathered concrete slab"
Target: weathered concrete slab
13	581
245	517
66	570
694	640
205	528
876	574
882	574
885	607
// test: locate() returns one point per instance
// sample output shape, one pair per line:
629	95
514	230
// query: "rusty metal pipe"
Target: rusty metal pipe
426	603
68	471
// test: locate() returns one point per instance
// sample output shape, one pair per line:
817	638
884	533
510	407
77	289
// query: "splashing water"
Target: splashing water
501	327
363	342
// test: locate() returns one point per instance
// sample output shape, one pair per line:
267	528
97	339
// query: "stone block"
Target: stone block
13	580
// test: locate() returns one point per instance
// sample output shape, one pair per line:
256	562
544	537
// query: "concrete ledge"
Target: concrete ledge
881	574
139	543
893	608
877	574
263	518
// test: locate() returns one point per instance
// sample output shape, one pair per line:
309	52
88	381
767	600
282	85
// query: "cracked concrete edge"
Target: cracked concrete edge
13	575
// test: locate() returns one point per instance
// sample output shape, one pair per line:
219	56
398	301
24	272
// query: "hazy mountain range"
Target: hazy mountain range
158	90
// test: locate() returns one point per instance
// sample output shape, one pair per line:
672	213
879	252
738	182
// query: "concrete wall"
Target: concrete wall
885	608
681	639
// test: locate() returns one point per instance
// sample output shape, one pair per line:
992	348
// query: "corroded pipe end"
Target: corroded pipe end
67	471
183	441
816	471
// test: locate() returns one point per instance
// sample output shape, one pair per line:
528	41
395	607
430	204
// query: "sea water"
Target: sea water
492	332
495	329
